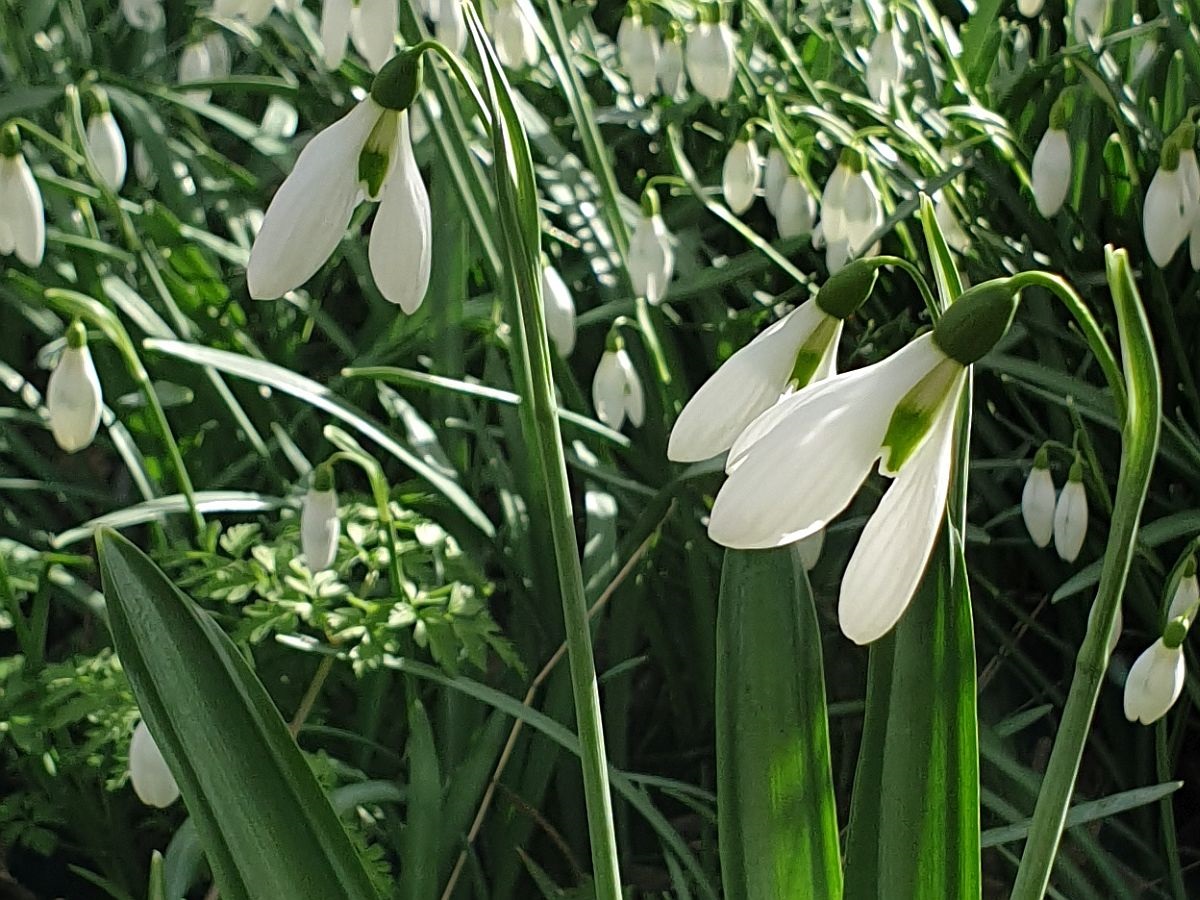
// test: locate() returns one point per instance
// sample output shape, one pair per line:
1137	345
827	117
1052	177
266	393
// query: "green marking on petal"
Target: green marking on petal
376	157
915	414
812	352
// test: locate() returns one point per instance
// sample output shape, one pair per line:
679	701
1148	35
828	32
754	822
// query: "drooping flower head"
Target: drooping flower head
1071	516
1051	168
320	526
775	173
370	24
651	257
796	212
851	211
800	463
367	153
73	397
741	172
1173	198
1187	593
637	44
22	215
672	76
514	35
106	144
616	388
1038	500
148	772
887	63
1156	678
709	55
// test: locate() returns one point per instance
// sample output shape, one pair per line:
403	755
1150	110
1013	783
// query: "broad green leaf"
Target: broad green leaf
267	828
777	819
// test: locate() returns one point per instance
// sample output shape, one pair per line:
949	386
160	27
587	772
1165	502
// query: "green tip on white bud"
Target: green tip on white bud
1185	136
1076	473
10	140
852	159
76	335
848	288
977	320
614	343
1058	112
1189	567
710	13
323	477
1175	633
1041	459
99	101
1168	160
650	206
398	82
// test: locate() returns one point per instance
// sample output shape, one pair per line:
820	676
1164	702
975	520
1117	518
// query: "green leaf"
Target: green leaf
776	815
266	826
424	819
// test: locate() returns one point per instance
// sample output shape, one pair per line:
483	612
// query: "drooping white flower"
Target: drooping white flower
1088	20
516	41
73	397
740	174
196	64
148	772
370	24
320	526
450	26
335	30
1038	501
617	390
1030	8
1051	172
367	153
1154	683
672	75
651	257
144	15
106	144
851	210
22	216
219	55
1071	516
709	56
796	210
1187	592
886	65
637	44
775	173
1165	215
560	310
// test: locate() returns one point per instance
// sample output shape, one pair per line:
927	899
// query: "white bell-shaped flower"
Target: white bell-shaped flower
1038	501
335	30
22	216
1187	593
1088	20
637	44
740	174
1154	683
709	56
1051	172
851	211
651	257
1030	8
370	24
886	65
1071	516
1172	200
616	388
450	26
106	145
73	397
144	15
148	772
516	41
560	310
775	173
1145	56
196	64
672	74
796	210
367	153
320	526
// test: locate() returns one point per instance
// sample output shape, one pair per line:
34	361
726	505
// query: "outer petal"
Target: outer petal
1037	506
894	550
1154	683
833	200
740	176
651	259
335	29
710	61
608	391
638	46
255	12
401	248
635	403
1051	172
1165	218
796	209
774	178
560	311
1187	593
672	79
747	384
152	780
451	27
220	58
22	216
1070	520
373	29
863	211
195	64
885	70
74	400
309	213
107	146
320	528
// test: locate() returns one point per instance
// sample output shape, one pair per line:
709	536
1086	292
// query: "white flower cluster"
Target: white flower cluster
1062	517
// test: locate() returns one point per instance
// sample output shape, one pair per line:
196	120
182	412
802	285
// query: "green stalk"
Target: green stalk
1139	444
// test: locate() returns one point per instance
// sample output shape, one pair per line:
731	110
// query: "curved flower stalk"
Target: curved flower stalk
798	350
144	15
320	526
616	388
514	36
106	144
709	55
886	64
672	74
1169	214
252	12
651	258
741	173
22	215
148	773
1038	500
851	211
799	464
637	44
560	310
1071	516
365	154
73	397
370	24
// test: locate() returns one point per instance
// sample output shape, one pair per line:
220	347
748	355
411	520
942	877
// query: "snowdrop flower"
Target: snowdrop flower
796	351
1030	8
365	154
709	55
886	65
106	144
616	388
774	175
1187	593
952	229
516	41
219	56
637	44
1156	679
1038	500
252	12
73	397
196	64
560	310
320	526
371	24
800	463
1051	171
1071	516
450	26
1173	197
22	216
741	173
148	772
651	259
796	210
672	77
851	210
1088	20
144	15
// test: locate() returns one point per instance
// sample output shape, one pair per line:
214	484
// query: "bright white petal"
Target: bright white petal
671	76
638	46
152	780
809	549
1186	594
1051	172
1037	506
22	216
451	27
863	211
1154	683
890	559
740	176
401	248
635	403
608	391
833	197
107	146
319	529
774	177
309	213
373	29
560	311
1165	218
335	29
796	209
255	12
710	60
219	56
1070	520
74	400
651	259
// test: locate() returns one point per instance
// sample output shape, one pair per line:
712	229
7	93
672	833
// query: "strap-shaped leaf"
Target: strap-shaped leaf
267	827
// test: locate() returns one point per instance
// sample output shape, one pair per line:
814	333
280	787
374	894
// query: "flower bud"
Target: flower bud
1051	171
73	397
845	291
1038	501
637	43
886	65
320	526
616	388
1154	683
398	82
1187	592
560	310
672	77
651	258
710	58
977	320
148	772
22	215
1071	516
796	210
106	145
740	175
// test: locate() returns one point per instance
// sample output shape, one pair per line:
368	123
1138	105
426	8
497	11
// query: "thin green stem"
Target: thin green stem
917	277
456	67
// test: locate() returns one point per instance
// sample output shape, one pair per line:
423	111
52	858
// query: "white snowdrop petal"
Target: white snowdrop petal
1051	172
635	403
195	64
320	529
560	311
775	176
401	246
1165	218
1154	683
672	79
796	209
373	29
740	176
637	42
608	391
862	210
651	258
107	147
1037	506
255	12
833	216
885	69
1030	8
74	400
1070	520
335	30
809	549
450	25
148	772
709	57
220	58
887	565
22	215
308	215
1187	592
